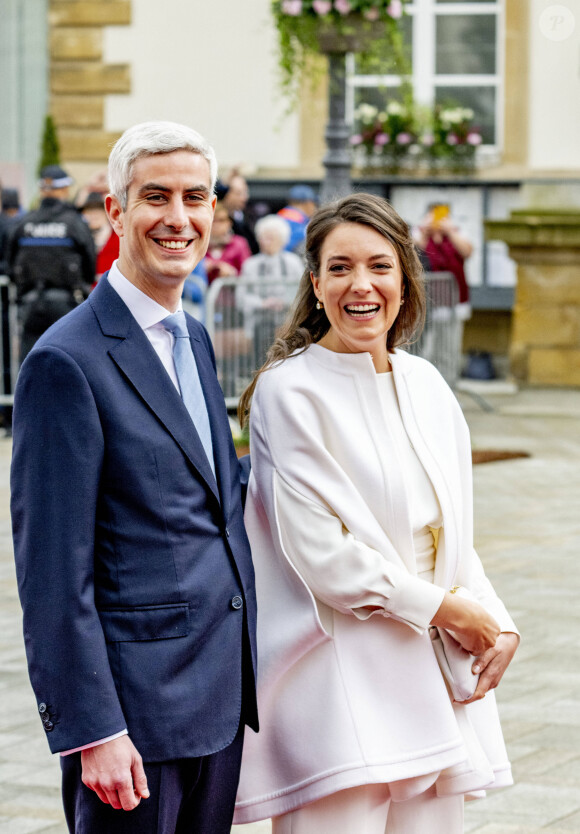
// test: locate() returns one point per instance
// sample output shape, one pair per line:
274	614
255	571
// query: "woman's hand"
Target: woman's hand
471	625
492	664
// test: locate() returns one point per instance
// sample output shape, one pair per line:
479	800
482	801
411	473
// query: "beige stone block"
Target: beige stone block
90	78
72	44
86	145
78	111
548	284
554	367
89	13
543	326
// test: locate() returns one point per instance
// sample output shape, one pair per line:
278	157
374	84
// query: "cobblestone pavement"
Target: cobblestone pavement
527	533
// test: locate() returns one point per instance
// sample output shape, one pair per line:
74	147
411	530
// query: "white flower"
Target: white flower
395	109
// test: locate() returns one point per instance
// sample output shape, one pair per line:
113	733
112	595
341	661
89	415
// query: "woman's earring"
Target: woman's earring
319	305
402	302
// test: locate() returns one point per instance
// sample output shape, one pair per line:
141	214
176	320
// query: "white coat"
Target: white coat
347	697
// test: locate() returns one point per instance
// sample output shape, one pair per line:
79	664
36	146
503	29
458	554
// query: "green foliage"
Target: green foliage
369	27
50	148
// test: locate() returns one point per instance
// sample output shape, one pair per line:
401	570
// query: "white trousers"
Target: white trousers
368	809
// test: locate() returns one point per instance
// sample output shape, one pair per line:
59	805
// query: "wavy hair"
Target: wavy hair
305	324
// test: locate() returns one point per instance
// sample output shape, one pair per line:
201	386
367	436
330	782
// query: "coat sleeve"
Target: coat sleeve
299	482
56	465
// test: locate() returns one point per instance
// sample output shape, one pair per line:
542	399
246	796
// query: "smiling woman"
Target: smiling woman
360	286
359	513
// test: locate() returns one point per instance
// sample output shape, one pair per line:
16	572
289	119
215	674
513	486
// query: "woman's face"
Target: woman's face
361	286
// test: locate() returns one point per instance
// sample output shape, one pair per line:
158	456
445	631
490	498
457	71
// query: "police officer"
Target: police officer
50	257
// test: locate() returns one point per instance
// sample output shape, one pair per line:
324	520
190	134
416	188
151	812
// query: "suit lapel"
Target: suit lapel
136	358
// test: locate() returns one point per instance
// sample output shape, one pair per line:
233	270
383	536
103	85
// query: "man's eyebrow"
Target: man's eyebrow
155	186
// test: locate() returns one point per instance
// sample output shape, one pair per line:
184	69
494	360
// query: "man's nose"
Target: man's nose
176	216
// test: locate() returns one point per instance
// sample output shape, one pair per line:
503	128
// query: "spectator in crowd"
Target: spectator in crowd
227	251
444	248
50	257
302	203
134	568
10	203
359	514
268	284
235	198
9	213
105	239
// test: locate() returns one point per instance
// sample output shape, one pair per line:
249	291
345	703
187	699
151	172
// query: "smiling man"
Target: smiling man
133	564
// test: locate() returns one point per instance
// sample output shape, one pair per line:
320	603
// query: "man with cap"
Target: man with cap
50	257
302	202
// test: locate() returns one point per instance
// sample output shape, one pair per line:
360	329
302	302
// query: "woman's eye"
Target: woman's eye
337	268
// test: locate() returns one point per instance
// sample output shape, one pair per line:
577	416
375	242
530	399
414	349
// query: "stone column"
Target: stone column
545	337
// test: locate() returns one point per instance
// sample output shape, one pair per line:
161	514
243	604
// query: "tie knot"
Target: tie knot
176	324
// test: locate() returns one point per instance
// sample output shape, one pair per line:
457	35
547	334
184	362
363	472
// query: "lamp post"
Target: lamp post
337	182
354	36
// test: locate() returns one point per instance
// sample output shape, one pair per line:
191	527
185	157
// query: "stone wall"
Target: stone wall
79	77
545	336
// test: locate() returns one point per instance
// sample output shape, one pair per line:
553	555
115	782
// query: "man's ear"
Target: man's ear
115	214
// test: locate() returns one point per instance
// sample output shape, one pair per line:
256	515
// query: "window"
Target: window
455	49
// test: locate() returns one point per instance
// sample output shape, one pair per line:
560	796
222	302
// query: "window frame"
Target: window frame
424	78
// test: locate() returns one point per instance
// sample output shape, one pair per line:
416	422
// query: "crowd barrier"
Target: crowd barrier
8	340
242	318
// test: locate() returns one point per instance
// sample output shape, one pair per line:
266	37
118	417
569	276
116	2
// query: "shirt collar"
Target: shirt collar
146	311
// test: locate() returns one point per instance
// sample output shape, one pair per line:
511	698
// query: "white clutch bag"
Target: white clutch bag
454	661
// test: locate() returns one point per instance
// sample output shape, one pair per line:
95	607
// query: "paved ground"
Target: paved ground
528	534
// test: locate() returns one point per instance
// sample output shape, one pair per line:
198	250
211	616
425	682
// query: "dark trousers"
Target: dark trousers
188	796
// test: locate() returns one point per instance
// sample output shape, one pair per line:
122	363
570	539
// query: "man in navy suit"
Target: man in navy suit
133	565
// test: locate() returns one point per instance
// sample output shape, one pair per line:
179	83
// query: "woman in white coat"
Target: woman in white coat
359	514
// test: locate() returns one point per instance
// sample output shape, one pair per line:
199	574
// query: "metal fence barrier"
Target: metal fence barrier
242	318
8	340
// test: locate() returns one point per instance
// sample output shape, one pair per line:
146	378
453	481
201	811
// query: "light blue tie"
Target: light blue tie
189	382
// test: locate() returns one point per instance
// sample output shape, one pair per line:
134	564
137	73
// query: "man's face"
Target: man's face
164	231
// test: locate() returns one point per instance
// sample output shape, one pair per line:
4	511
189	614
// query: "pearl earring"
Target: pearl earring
319	305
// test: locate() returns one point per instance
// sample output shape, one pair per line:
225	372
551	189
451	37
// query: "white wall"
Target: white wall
554	85
211	65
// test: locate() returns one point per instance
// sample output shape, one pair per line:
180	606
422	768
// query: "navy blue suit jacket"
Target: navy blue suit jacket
133	564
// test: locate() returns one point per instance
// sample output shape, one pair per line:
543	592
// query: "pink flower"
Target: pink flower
322	6
395	9
342	6
381	139
452	139
473	138
428	140
356	139
404	138
372	14
292	7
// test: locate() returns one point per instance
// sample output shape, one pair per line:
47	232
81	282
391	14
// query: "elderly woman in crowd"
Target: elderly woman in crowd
360	518
268	284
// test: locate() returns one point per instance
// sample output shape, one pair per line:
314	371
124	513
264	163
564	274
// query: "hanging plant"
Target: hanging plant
318	27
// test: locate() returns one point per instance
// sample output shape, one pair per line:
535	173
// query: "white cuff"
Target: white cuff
94	743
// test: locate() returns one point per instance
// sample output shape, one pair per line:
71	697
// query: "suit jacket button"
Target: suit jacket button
42	708
48	726
237	603
227	532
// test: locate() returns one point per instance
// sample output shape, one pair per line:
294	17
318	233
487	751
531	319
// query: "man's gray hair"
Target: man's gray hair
148	139
276	224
